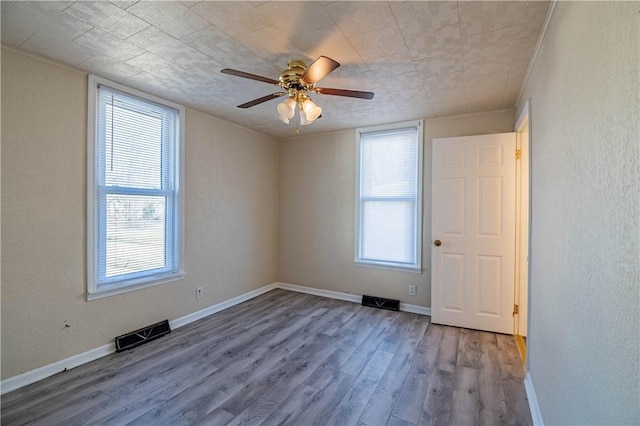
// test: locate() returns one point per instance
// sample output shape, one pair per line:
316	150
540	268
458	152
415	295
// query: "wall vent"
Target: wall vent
142	336
380	302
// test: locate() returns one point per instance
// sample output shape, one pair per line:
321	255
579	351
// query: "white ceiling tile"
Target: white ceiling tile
108	44
174	50
388	66
534	18
231	54
295	18
439	65
448	106
490	65
206	37
269	42
486	83
417	17
24	19
46	42
443	41
190	3
155	65
445	82
511	92
401	82
123	4
379	43
491	43
235	18
108	17
5	5
525	47
518	69
357	17
481	16
477	102
18	26
109	67
171	17
328	41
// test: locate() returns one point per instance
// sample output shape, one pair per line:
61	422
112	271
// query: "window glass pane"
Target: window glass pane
137	200
388	196
135	234
388	231
388	164
136	141
133	155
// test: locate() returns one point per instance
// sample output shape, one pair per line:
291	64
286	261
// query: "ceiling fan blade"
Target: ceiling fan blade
343	92
249	76
261	100
319	69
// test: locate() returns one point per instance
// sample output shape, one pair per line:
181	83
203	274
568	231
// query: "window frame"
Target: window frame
390	265
119	286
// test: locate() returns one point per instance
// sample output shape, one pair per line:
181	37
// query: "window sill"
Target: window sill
388	266
99	294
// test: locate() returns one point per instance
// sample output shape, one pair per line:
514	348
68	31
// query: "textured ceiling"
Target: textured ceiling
422	59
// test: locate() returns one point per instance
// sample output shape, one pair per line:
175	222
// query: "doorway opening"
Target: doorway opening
521	291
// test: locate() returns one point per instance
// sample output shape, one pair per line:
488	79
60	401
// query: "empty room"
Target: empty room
320	213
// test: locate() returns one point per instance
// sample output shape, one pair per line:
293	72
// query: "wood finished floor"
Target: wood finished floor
296	359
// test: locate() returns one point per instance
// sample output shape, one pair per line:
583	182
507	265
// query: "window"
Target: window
389	196
134	194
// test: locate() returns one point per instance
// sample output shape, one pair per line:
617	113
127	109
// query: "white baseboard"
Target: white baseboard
321	292
407	307
195	316
49	370
536	414
24	379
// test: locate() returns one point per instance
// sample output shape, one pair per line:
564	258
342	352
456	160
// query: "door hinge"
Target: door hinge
518	154
515	310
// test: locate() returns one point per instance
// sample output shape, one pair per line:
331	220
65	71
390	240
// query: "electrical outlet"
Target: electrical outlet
199	291
412	290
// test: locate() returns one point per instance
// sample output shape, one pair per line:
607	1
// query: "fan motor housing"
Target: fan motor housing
290	78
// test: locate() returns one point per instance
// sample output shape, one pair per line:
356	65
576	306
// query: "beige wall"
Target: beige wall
317	211
231	220
584	333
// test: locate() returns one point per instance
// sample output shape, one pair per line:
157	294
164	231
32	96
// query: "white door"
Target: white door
473	232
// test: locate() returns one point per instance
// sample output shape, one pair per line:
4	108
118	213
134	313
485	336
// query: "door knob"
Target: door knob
437	243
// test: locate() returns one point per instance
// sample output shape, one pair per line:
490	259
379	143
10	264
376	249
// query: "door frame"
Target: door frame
523	229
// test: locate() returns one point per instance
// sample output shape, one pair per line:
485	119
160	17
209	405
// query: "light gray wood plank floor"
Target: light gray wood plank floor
293	359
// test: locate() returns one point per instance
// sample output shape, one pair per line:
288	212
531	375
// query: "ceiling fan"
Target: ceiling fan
298	81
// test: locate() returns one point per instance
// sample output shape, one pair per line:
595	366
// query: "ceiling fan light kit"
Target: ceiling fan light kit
298	81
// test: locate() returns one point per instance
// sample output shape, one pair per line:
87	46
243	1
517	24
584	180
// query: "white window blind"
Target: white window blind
389	196
136	191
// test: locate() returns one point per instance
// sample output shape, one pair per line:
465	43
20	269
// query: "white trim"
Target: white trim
406	307
415	309
321	292
24	379
534	407
523	119
536	50
195	316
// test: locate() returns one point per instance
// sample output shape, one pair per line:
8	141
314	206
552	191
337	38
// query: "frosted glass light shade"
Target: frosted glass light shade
303	119
311	110
287	109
